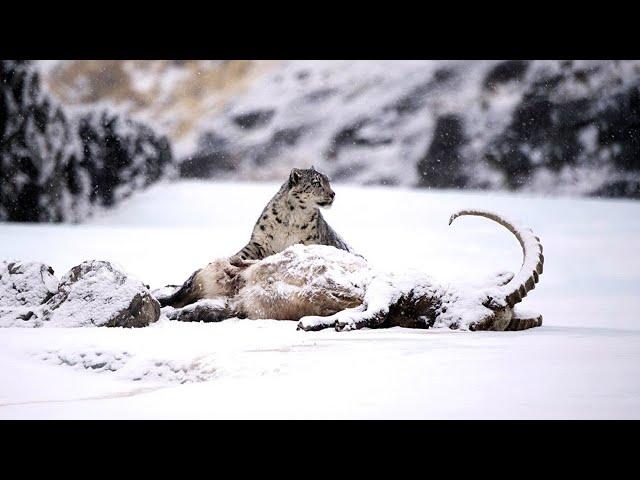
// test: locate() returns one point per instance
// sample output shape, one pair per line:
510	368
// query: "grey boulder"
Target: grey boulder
94	293
25	284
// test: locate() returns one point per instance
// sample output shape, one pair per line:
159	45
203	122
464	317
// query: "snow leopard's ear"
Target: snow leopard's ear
313	169
294	177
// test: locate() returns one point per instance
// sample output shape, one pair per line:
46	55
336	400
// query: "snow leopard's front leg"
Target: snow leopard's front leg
250	253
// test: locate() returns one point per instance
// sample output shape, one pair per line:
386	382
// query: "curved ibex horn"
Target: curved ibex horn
533	260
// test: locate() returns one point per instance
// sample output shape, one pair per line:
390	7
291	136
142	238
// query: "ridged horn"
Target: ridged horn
532	262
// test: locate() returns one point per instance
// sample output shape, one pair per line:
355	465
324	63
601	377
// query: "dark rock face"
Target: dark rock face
120	156
54	167
212	158
542	125
441	167
37	154
254	119
414	100
281	139
94	293
619	125
548	132
351	136
619	189
505	72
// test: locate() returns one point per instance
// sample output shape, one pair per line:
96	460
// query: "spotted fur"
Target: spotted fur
293	216
322	287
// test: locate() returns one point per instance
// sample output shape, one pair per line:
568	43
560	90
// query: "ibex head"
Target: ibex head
501	300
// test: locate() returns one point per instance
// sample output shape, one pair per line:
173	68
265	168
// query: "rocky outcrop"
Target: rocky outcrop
255	119
442	167
550	126
213	158
555	130
121	156
566	127
504	72
94	293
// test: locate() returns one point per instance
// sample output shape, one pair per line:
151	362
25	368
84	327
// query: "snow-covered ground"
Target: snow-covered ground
584	362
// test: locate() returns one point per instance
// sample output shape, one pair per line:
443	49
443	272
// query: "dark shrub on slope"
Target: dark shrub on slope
441	166
38	154
54	167
120	156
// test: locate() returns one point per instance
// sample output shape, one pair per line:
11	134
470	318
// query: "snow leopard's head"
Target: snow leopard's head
310	188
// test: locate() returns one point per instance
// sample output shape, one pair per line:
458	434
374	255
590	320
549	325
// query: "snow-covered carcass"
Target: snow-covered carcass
322	287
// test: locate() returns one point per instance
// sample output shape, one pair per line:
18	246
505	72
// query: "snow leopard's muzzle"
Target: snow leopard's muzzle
327	201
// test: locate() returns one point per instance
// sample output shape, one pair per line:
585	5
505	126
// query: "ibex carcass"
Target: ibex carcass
321	286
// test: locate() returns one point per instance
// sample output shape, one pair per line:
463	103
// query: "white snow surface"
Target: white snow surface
584	362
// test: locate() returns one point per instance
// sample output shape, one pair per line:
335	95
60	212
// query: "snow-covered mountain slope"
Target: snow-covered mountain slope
546	126
584	362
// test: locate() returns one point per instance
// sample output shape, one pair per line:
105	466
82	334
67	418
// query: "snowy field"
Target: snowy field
584	362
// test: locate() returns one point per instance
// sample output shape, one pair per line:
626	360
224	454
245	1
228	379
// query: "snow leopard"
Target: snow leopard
291	217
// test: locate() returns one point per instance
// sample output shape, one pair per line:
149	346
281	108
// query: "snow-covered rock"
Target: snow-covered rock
94	293
26	284
97	293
